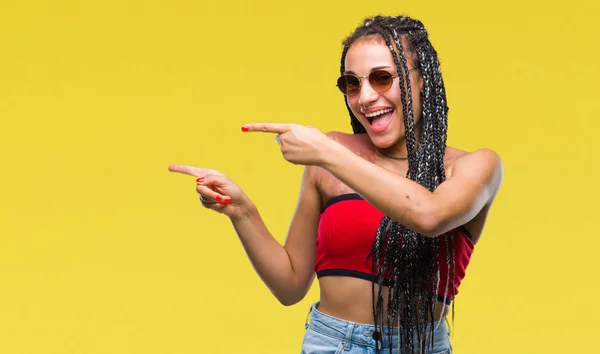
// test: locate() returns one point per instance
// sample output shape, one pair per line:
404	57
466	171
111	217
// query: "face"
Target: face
380	112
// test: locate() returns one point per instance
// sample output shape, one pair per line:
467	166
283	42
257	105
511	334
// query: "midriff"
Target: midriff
351	299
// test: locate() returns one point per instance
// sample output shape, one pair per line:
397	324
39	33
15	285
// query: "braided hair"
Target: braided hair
403	259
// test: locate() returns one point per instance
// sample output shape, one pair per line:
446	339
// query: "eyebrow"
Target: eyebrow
372	69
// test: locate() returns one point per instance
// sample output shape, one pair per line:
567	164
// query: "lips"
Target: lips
375	112
375	115
379	118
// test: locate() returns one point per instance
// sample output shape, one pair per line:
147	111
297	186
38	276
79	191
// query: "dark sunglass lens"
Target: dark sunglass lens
381	80
349	85
352	85
341	84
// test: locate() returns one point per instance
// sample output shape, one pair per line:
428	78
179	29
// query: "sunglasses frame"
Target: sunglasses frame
366	77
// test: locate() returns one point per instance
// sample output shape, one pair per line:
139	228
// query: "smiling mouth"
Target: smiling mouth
373	115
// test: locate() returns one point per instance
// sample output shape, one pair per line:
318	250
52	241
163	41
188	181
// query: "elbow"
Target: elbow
430	223
287	302
430	229
289	296
289	299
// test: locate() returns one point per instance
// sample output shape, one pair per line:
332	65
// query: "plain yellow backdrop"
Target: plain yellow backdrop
102	250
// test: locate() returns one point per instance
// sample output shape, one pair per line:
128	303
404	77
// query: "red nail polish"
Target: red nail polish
218	198
200	180
245	129
222	204
227	200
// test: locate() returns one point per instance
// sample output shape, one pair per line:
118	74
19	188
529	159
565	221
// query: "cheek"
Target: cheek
354	106
393	95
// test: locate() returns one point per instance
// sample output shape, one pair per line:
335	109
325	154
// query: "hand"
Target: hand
216	191
303	145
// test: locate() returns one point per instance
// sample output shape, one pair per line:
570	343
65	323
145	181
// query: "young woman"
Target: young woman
387	217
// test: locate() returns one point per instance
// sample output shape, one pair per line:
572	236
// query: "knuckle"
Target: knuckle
220	181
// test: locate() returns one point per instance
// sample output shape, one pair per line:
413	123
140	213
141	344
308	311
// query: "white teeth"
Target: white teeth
378	113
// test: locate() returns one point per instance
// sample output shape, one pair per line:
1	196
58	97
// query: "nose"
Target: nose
367	94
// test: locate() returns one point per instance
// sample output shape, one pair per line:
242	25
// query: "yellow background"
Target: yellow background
102	250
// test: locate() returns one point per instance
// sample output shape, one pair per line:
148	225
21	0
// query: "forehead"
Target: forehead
363	56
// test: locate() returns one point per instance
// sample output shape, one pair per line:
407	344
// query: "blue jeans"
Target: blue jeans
330	335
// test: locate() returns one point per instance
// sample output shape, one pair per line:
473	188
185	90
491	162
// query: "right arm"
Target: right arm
286	270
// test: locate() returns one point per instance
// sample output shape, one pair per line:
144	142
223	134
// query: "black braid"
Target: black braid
410	261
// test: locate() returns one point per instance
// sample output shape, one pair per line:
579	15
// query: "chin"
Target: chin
382	142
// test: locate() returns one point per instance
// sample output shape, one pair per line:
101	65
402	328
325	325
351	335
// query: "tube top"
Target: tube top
347	231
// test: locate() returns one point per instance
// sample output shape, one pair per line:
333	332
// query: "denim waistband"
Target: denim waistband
362	334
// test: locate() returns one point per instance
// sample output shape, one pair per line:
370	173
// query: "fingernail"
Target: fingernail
245	129
218	198
222	204
200	180
227	200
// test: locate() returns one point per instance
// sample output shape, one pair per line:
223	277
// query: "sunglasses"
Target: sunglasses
380	80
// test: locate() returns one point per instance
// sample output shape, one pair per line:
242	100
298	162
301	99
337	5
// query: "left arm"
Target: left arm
474	183
475	180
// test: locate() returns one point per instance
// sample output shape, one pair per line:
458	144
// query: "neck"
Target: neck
394	154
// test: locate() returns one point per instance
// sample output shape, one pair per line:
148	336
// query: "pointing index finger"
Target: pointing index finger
278	128
189	170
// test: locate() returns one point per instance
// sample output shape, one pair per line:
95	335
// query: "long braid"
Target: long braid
434	162
427	54
408	260
390	261
395	255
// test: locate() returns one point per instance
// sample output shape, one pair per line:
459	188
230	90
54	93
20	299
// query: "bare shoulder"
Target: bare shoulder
454	155
351	141
481	159
483	164
360	144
